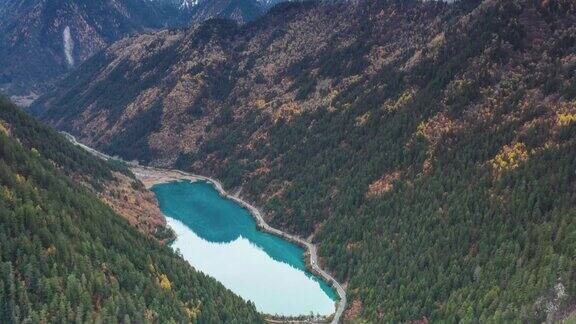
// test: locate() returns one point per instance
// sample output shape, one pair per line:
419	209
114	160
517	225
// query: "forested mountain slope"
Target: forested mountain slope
67	257
429	147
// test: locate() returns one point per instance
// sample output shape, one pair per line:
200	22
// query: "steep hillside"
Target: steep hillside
67	257
41	40
428	147
112	183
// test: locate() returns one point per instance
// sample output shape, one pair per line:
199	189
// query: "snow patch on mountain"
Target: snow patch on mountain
187	4
68	46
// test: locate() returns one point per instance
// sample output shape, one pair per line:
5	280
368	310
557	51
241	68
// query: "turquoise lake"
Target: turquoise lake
220	238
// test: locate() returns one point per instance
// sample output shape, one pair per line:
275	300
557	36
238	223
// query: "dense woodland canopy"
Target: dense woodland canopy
67	257
429	147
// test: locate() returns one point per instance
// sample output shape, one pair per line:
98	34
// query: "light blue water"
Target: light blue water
220	238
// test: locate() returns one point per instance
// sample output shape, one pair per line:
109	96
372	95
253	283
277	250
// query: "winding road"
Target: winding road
165	175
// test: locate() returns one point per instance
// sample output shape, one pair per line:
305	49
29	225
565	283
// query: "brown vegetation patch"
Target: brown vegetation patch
260	103
142	102
288	111
5	128
259	136
137	205
363	119
353	310
404	99
275	190
353	246
509	158
423	320
383	185
565	119
263	169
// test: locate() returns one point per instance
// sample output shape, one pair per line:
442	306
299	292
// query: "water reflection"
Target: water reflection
219	237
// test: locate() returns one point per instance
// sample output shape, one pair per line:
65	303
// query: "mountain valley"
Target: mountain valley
426	146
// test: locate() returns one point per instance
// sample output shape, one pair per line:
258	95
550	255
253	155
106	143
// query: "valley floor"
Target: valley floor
150	176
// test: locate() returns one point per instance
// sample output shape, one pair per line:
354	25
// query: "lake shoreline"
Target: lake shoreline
151	176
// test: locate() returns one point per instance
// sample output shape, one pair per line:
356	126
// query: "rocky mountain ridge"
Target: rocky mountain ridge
42	40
